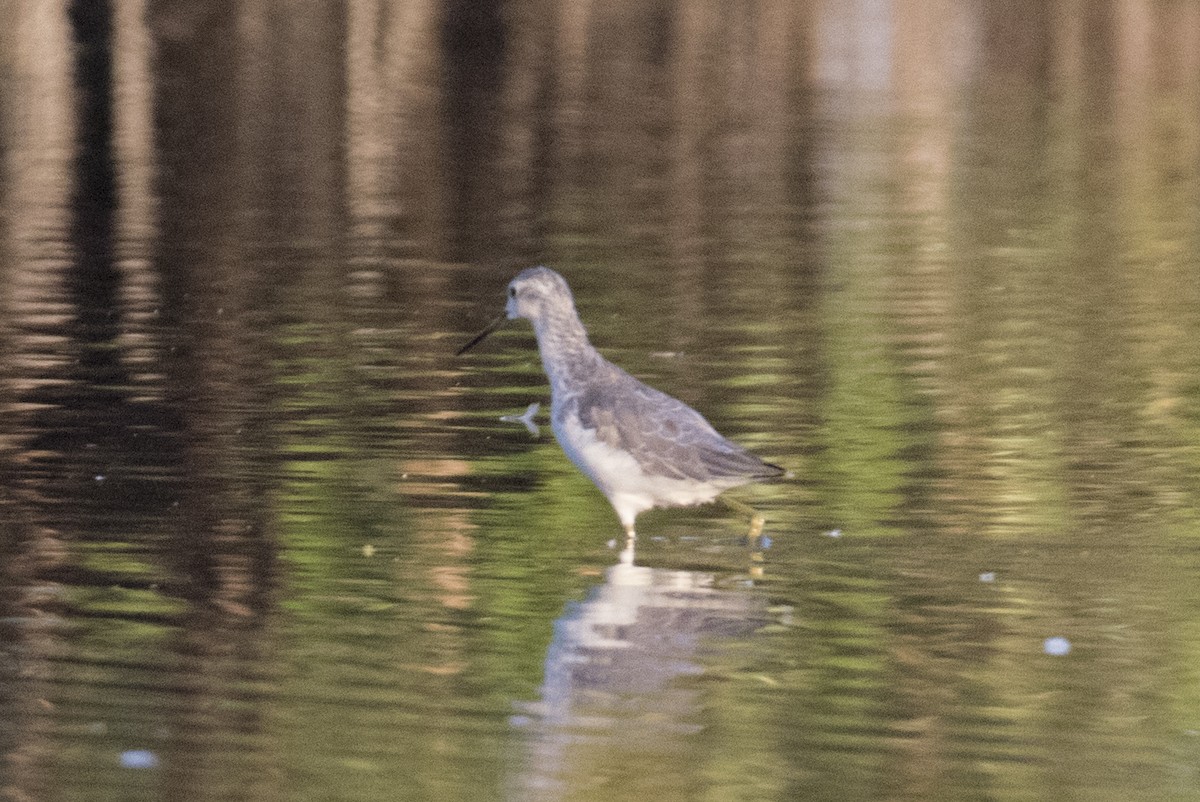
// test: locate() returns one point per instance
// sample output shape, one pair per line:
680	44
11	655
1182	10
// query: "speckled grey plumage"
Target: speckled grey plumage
665	436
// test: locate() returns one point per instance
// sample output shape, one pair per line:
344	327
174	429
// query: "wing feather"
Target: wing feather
667	437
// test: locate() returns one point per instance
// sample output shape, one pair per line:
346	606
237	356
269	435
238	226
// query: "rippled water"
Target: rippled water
262	536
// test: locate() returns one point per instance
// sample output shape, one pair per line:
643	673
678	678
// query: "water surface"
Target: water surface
262	536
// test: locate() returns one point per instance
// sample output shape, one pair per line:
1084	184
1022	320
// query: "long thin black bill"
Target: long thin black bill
478	338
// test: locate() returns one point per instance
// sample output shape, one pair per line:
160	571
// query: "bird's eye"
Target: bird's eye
512	292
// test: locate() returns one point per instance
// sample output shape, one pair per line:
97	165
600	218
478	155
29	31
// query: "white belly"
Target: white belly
621	478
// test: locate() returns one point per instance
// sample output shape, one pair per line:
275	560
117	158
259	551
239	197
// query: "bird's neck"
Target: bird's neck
563	344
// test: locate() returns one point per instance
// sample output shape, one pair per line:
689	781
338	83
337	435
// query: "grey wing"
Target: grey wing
665	435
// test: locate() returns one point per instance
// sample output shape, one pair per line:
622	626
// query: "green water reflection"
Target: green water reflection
263	537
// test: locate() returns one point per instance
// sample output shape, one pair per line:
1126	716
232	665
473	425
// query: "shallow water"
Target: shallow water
265	537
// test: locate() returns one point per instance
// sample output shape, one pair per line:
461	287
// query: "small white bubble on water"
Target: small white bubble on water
1057	646
139	759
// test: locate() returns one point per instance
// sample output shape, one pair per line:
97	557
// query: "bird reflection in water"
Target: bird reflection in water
615	686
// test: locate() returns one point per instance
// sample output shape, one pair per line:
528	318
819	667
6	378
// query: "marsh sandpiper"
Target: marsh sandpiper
641	447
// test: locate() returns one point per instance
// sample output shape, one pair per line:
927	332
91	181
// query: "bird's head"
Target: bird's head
537	294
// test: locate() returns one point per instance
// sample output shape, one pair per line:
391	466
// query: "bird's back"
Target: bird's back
663	435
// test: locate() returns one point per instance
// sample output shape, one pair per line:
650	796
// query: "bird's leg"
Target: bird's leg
753	537
757	521
630	539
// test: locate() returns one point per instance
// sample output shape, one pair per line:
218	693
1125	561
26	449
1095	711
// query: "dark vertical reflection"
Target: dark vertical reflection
529	136
473	50
81	432
93	283
216	355
205	297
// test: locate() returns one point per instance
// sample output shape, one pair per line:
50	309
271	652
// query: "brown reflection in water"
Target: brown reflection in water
1022	288
395	196
249	150
35	96
1039	302
70	457
656	147
1036	289
112	449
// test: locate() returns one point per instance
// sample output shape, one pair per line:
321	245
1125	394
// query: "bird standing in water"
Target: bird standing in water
641	447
